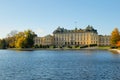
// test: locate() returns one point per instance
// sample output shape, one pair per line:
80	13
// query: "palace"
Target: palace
47	40
63	37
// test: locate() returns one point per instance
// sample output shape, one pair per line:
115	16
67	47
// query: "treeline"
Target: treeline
25	39
115	38
16	39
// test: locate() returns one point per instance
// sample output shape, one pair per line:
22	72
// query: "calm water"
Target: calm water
59	65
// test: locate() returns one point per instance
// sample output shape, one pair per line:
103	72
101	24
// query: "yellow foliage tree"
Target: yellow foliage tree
115	37
20	42
20	37
25	39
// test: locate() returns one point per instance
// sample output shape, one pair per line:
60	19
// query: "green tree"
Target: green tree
115	37
3	44
29	38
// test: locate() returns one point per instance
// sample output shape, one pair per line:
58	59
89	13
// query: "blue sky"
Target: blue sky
44	16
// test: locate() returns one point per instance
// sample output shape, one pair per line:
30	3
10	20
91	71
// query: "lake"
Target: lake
59	65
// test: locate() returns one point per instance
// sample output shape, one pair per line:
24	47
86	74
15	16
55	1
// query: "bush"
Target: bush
36	46
113	47
54	46
69	46
76	46
84	46
92	45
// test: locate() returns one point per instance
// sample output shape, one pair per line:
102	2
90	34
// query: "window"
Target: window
71	43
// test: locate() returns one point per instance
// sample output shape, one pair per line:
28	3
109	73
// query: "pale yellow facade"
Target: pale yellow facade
47	40
104	40
38	41
75	37
63	37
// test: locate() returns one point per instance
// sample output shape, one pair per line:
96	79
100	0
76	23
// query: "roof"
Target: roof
62	30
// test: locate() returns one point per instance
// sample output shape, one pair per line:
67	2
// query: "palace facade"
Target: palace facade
104	40
47	40
64	37
75	37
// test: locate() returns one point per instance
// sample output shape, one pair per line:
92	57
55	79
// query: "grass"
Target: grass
64	48
22	49
119	48
104	47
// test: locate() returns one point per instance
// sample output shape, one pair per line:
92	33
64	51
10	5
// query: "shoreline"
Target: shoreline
33	49
115	50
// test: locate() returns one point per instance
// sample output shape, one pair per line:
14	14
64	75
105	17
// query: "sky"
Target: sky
44	16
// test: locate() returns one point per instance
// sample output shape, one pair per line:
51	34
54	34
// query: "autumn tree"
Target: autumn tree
115	37
19	40
25	39
118	44
11	38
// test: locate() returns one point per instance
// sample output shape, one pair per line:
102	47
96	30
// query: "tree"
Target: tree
118	44
25	39
115	37
11	38
20	38
29	38
3	44
12	33
10	42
